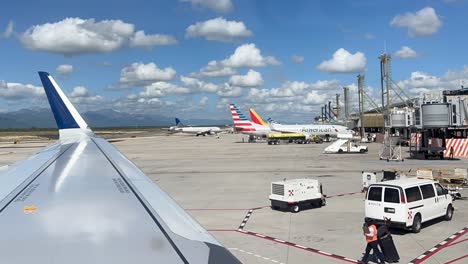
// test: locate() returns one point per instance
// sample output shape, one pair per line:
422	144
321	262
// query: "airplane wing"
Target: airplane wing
81	201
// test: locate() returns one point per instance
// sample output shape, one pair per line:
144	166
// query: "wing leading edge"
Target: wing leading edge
82	201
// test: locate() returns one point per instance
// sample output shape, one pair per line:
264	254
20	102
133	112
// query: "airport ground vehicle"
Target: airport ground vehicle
407	202
296	193
345	146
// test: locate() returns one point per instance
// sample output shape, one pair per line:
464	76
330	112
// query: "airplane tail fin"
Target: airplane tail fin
68	120
256	118
177	122
241	123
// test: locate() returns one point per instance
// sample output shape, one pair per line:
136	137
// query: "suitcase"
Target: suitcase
388	247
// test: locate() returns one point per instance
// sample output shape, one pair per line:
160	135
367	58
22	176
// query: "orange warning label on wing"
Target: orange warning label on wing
29	209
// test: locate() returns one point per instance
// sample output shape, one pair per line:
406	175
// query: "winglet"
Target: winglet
65	114
177	121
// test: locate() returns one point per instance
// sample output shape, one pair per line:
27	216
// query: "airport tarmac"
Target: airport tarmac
224	184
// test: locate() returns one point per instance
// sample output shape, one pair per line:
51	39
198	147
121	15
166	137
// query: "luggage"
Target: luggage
388	247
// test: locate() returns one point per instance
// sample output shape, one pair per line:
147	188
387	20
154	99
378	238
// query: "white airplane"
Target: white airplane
245	126
81	201
308	130
198	131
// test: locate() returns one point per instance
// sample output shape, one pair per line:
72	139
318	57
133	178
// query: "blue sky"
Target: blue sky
284	58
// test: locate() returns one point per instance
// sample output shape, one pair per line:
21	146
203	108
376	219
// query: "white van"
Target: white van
407	202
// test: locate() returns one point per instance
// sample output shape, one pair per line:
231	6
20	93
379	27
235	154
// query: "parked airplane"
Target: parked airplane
81	201
245	126
308	129
203	131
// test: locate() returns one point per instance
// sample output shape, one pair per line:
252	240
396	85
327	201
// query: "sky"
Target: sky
191	58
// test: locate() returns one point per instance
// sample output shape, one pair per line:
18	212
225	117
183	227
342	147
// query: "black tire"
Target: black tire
362	150
416	227
294	208
449	214
340	151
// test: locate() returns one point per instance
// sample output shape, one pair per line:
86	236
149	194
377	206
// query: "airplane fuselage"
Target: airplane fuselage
197	130
319	130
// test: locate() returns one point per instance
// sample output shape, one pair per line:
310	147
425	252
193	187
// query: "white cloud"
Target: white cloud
369	36
138	74
200	86
344	62
18	91
227	90
251	79
140	39
218	29
73	36
160	89
81	95
248	55
8	29
64	69
245	56
203	100
221	6
406	53
424	22
214	69
297	59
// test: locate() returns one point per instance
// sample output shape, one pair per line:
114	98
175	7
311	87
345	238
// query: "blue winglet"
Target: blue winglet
63	117
177	121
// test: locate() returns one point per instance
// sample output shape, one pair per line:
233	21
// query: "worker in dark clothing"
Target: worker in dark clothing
370	232
386	242
451	152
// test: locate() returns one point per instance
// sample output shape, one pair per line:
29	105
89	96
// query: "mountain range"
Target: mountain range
43	118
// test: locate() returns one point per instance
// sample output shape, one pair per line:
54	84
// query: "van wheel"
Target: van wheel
416	227
295	208
362	150
449	214
340	151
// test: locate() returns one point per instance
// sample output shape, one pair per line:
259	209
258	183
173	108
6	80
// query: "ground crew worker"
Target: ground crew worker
370	232
451	152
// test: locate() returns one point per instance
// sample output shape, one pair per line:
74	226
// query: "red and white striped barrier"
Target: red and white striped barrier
415	139
460	147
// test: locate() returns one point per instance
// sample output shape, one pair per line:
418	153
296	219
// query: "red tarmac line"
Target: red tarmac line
457	259
458	242
441	247
306	249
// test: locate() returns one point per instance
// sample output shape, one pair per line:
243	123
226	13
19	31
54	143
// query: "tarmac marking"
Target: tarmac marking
246	218
312	250
446	243
342	194
455	260
458	242
255	255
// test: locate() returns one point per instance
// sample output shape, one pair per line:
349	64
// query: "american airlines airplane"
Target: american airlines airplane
81	201
203	131
245	126
308	129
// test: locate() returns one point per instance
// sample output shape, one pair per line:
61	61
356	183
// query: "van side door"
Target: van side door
391	204
442	200
429	198
415	204
374	206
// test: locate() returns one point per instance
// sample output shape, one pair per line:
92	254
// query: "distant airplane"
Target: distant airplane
198	131
307	129
81	201
245	126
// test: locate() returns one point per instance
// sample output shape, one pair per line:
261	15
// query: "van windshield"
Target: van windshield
375	194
